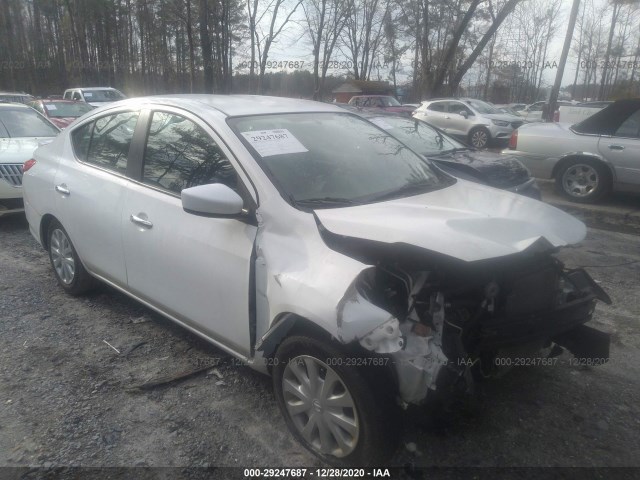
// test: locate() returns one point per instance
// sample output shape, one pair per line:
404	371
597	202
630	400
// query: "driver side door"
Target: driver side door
194	268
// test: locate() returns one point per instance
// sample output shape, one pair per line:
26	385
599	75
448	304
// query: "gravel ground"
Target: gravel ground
66	398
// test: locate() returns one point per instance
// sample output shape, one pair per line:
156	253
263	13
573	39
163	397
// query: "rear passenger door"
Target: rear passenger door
90	191
436	114
194	268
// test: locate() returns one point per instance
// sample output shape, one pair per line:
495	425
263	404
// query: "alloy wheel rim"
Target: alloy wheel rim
580	180
320	406
62	257
479	139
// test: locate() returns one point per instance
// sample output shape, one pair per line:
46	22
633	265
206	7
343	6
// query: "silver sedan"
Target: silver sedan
587	160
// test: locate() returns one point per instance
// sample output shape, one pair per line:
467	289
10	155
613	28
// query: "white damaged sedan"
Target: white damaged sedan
310	244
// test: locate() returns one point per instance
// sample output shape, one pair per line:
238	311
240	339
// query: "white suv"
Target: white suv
96	96
475	121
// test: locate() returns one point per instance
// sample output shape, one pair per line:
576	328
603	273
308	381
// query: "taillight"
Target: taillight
27	165
513	141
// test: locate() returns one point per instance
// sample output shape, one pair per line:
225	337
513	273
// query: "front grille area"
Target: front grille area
516	124
12	173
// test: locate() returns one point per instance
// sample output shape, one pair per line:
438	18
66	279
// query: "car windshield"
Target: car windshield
102	95
482	107
66	109
390	102
25	123
418	135
334	159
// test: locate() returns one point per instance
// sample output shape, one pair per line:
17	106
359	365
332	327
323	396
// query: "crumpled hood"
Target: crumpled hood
19	150
465	221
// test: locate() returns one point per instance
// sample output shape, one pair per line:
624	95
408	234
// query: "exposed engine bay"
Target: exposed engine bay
447	322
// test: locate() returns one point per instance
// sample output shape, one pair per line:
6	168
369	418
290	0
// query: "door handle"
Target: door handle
140	221
616	147
62	188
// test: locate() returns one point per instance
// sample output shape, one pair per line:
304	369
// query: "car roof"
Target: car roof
14	105
90	88
237	105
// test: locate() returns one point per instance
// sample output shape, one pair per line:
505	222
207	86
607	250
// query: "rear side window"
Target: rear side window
630	128
179	154
436	107
81	138
105	142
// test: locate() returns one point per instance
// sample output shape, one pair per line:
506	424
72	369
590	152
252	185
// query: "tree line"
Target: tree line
493	48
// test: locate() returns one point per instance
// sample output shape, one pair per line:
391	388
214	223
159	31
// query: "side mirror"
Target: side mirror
212	199
464	113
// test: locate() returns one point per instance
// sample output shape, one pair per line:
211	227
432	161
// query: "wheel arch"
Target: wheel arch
564	160
287	324
44	228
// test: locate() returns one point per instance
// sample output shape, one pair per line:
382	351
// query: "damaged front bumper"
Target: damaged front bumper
425	324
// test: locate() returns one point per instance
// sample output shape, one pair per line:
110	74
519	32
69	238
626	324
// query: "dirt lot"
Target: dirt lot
64	398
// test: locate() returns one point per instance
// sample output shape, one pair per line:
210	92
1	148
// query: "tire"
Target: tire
583	180
370	419
66	264
479	137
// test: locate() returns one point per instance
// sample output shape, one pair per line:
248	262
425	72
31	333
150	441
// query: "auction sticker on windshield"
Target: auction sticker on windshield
274	142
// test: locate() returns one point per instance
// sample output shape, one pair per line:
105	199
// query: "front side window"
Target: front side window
109	141
179	154
333	159
26	122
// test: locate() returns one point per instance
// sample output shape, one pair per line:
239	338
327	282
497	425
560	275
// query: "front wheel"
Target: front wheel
331	407
583	180
479	137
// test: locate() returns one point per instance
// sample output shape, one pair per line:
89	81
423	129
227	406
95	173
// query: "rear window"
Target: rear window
25	123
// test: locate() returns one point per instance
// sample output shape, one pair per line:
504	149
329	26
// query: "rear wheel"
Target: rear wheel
331	407
67	267
583	180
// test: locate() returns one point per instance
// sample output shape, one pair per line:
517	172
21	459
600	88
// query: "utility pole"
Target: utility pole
553	98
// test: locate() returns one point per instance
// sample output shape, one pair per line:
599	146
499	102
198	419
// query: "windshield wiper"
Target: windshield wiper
406	190
326	201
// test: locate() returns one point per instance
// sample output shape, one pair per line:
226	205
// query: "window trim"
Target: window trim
108	113
137	163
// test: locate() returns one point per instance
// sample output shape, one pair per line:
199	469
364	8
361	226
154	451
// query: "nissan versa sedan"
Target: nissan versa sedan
313	246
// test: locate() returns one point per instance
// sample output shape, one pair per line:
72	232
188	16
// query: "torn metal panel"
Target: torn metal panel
465	221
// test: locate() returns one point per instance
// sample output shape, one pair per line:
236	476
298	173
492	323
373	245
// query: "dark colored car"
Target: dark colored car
457	159
60	112
385	103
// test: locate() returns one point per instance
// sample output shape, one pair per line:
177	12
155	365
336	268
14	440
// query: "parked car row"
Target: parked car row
317	246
